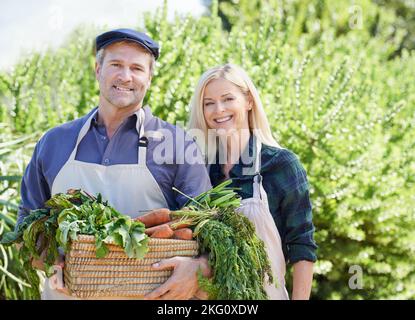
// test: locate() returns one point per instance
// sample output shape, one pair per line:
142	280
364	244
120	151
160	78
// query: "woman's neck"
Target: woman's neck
235	145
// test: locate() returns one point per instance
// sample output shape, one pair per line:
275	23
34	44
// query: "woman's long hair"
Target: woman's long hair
257	119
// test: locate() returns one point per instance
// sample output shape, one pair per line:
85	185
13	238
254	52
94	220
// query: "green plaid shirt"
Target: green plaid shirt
285	182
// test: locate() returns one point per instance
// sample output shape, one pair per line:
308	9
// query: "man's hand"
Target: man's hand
60	262
183	284
39	263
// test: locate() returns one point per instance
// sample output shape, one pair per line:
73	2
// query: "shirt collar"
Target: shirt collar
147	112
239	169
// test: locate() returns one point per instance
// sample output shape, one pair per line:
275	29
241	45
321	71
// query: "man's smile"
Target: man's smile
122	89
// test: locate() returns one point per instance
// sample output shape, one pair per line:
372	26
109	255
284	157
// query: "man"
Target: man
110	150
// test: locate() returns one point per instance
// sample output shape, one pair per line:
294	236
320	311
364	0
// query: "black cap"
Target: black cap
142	39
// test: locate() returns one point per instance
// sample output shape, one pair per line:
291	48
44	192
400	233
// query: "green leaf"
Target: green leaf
101	249
9	238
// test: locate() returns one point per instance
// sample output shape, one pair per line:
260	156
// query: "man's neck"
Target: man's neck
112	117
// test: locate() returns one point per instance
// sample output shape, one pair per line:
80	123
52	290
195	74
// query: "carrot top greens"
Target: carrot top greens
236	255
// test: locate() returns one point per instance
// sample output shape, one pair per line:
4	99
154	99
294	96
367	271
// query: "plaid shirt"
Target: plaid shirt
285	182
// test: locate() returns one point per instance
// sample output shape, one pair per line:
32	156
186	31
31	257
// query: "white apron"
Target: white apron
256	209
129	188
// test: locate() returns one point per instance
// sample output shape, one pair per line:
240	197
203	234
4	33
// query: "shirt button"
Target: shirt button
106	161
104	138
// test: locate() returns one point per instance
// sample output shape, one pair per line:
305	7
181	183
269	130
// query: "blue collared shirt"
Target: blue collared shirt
168	169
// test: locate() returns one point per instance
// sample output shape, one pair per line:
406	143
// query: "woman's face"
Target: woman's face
225	106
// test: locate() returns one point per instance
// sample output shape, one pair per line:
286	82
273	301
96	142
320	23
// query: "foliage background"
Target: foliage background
337	82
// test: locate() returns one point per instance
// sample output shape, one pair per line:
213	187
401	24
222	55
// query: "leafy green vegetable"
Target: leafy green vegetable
236	255
65	217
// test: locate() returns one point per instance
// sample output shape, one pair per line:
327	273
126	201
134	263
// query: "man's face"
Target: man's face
124	74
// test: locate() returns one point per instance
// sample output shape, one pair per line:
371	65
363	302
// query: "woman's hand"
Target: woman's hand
182	285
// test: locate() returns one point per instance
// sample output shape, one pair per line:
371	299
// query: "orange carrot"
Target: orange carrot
177	224
171	224
150	231
155	217
184	234
163	231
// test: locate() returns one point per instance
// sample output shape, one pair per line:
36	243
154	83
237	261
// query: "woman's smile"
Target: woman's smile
223	119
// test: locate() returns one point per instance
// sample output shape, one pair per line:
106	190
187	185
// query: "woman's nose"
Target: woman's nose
220	107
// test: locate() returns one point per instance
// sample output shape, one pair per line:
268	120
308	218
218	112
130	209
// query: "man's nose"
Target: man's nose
125	74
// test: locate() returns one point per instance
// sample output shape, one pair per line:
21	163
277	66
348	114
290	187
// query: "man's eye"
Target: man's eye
115	64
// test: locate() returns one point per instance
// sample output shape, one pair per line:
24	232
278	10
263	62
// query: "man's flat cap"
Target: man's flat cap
117	35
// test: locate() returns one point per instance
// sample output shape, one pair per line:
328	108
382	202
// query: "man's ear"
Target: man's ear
97	69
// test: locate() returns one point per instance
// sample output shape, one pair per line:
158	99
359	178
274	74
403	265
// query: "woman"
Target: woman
226	107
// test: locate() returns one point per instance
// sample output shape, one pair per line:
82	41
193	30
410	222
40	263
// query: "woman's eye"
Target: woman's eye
229	99
208	104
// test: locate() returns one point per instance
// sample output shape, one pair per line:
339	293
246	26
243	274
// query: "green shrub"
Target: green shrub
336	96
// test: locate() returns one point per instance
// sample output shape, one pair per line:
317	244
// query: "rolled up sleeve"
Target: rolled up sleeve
299	241
296	210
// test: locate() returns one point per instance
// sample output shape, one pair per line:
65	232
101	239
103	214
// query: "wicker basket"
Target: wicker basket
116	275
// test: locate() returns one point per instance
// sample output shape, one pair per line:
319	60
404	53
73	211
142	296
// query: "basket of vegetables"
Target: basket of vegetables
117	275
107	254
115	272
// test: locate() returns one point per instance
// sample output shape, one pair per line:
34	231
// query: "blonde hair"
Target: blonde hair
257	119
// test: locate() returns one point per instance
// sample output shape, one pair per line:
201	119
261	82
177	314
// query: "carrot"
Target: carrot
150	231
162	231
155	217
184	234
177	224
174	225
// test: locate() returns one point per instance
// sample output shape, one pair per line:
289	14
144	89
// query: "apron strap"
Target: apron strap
82	134
142	140
257	181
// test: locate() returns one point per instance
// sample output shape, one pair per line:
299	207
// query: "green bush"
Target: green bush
338	97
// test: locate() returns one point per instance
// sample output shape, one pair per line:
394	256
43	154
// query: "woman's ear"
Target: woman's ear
250	102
